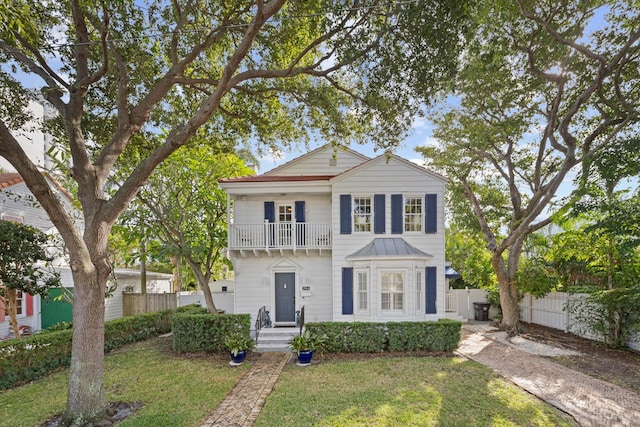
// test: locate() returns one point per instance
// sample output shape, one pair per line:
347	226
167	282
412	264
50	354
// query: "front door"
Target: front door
285	297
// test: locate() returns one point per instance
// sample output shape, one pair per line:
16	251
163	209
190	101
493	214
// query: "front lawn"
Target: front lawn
412	391
183	390
174	391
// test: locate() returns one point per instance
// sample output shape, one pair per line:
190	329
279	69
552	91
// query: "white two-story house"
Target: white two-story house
348	237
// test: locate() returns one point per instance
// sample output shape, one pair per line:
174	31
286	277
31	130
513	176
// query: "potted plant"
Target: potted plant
304	346
238	344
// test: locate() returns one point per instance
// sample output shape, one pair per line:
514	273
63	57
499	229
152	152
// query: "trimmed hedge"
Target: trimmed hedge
33	357
371	337
207	332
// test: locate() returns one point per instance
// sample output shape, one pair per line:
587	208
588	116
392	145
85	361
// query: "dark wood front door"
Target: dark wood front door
285	297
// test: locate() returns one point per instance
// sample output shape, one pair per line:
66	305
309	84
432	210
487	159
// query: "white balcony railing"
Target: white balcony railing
271	235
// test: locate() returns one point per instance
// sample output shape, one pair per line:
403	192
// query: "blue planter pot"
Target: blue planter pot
239	358
304	357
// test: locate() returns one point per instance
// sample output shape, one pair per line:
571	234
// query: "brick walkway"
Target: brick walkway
590	401
241	406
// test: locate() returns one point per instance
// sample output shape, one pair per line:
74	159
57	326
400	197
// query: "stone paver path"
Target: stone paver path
241	406
590	401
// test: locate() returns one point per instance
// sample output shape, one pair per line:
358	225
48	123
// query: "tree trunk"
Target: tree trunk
509	295
86	396
11	300
203	282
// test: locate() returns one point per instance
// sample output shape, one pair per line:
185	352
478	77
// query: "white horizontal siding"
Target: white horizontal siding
251	210
254	284
319	162
392	177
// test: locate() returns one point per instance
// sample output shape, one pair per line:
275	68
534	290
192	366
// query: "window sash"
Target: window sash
419	291
413	214
362	214
362	282
392	291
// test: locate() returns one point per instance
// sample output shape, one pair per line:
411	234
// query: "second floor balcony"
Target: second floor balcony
269	236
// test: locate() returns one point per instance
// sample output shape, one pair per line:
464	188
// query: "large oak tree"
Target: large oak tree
546	87
267	71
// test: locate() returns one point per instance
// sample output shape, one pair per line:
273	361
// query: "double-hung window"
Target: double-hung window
362	286
362	214
413	214
392	291
419	292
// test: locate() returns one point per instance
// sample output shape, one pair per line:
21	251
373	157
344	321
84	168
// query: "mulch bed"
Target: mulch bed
617	366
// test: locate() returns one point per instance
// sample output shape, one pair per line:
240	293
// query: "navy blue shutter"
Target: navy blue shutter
378	212
345	214
270	211
300	211
396	214
347	290
301	229
270	214
430	281
431	213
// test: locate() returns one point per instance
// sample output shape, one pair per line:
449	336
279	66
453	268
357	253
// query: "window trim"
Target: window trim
367	291
419	216
371	214
419	291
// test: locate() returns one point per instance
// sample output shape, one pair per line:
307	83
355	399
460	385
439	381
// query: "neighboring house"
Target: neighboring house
18	204
348	237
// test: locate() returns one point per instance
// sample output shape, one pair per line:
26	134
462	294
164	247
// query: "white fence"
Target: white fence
222	300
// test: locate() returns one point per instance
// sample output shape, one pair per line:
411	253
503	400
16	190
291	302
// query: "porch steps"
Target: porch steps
275	339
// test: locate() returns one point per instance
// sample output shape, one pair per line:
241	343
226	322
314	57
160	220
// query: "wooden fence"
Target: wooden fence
134	303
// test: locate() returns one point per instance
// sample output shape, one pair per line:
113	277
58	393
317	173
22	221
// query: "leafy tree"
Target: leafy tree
23	259
125	74
611	267
469	256
186	209
545	87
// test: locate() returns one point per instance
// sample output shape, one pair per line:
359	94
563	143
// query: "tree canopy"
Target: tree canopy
544	88
133	79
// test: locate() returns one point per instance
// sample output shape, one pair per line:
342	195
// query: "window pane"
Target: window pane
413	214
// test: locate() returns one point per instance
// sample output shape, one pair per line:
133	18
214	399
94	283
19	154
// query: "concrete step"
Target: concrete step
275	339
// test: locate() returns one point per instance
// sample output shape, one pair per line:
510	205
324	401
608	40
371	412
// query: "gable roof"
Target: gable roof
388	247
311	153
386	157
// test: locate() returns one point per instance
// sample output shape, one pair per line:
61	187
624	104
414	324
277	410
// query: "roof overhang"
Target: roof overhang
390	248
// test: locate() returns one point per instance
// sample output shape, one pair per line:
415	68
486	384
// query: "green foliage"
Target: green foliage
469	256
192	309
207	332
60	326
22	249
33	357
370	337
308	341
237	341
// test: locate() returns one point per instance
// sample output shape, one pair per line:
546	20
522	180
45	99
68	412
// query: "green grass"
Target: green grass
182	391
402	392
174	391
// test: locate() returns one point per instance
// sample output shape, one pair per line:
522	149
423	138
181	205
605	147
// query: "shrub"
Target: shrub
207	332
192	309
33	357
369	337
